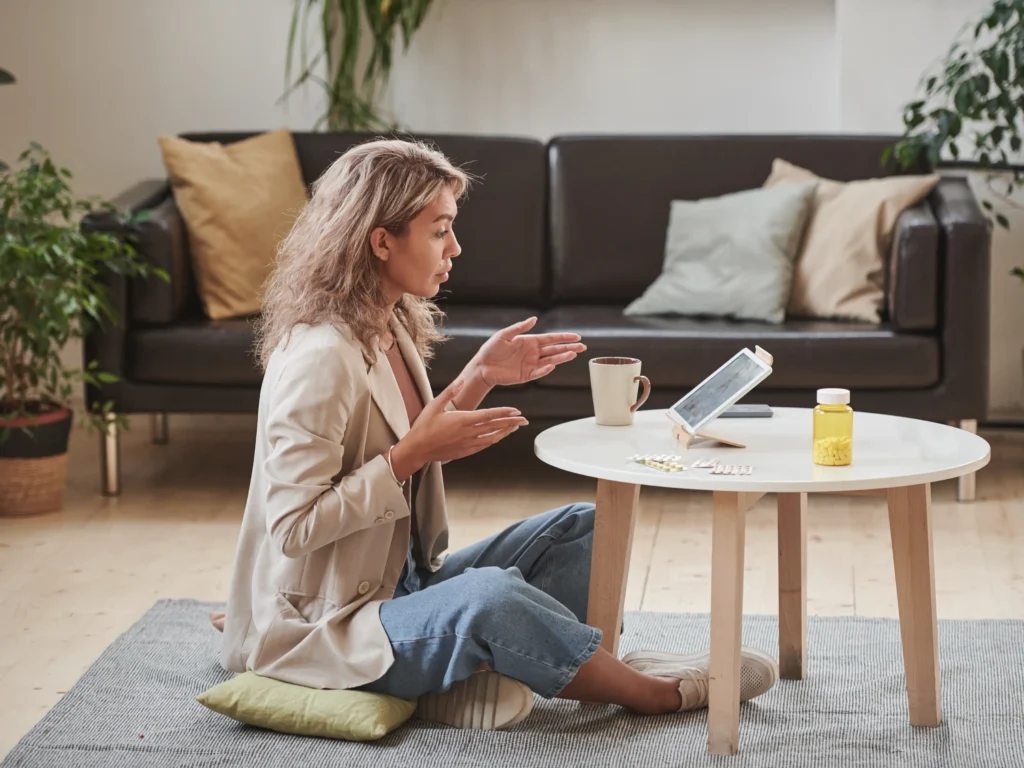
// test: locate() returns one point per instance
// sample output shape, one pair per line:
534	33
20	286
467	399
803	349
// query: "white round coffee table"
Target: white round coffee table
893	457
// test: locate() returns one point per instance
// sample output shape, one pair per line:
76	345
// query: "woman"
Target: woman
338	578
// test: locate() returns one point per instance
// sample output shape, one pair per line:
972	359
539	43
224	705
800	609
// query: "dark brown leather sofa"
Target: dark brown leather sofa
572	231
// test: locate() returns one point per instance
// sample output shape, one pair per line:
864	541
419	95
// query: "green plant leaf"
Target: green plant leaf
6	78
53	279
1003	221
351	96
963	99
1001	68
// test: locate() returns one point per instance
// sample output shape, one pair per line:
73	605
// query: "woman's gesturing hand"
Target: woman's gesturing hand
512	356
440	435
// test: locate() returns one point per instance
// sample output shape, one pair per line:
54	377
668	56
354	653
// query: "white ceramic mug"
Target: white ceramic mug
614	382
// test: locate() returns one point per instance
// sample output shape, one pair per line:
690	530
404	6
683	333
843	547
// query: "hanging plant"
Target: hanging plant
971	106
352	96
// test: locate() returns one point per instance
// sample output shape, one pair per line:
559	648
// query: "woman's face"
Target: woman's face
418	261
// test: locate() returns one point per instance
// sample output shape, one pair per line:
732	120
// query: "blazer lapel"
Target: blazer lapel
385	392
412	359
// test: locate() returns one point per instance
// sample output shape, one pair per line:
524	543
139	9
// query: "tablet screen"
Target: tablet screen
727	383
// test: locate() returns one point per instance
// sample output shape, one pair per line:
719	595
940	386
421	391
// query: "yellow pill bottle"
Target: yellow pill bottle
833	428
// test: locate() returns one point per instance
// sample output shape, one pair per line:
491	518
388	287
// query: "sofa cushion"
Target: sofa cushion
501	223
681	352
610	197
468	328
194	351
201	351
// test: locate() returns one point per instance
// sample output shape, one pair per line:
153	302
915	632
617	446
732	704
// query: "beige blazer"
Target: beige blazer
326	527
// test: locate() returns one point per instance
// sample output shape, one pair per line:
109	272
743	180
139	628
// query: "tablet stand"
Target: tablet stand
686	438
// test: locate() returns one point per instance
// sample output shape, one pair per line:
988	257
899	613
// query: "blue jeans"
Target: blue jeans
516	601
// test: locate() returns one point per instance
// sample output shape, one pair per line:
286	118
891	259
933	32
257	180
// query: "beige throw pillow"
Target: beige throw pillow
839	271
238	201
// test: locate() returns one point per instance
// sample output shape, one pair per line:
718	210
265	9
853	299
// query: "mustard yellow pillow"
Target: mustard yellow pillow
277	706
840	268
238	201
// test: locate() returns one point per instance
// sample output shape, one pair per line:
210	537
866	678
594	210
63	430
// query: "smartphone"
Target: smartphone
746	411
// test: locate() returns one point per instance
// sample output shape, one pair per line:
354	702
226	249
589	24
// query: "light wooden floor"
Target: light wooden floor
73	581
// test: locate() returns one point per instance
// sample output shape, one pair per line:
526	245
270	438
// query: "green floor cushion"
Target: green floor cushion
287	708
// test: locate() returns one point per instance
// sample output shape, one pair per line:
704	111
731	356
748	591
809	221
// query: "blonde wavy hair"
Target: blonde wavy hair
326	271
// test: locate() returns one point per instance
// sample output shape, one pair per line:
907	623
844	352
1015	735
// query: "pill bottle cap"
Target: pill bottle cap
833	396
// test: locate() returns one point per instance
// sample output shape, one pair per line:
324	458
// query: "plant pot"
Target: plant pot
34	463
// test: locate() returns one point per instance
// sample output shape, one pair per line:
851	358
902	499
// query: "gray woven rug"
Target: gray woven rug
136	707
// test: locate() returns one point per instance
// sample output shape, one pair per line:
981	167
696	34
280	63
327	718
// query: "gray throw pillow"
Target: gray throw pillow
731	256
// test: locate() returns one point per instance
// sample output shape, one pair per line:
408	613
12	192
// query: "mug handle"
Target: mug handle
644	395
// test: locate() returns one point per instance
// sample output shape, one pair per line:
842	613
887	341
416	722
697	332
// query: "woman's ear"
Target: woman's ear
379	243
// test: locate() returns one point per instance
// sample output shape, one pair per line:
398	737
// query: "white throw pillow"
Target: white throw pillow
731	256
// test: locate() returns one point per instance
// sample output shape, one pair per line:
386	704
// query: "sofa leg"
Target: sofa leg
110	458
965	484
158	428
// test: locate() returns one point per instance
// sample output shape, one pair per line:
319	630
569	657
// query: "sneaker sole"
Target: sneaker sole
691	658
473	703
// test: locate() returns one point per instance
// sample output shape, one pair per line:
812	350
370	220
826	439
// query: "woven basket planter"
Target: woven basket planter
34	464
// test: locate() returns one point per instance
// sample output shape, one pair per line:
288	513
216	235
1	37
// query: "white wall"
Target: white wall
541	67
883	47
99	80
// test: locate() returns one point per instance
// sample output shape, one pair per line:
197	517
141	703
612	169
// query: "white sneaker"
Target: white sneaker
486	701
758	673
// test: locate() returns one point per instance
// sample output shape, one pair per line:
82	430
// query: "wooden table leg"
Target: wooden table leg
792	585
910	527
614	521
728	535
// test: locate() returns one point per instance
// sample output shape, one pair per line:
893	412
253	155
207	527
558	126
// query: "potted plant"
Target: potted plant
970	109
52	287
341	26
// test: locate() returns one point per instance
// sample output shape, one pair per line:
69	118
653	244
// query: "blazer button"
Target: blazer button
389	515
364	587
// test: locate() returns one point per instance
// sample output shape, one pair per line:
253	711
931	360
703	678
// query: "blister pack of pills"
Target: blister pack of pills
732	469
664	462
704	463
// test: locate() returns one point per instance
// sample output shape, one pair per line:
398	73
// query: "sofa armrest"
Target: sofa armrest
163	239
966	256
142	196
106	343
913	281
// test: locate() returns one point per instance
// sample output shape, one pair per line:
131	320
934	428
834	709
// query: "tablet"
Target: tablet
719	390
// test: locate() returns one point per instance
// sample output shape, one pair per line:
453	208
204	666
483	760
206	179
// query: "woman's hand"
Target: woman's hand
440	435
511	357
